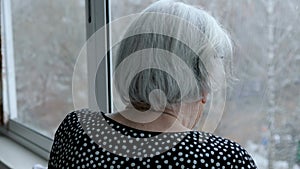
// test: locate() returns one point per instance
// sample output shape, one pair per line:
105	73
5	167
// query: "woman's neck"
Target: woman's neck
149	121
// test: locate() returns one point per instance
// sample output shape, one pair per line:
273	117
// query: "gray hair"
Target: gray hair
174	47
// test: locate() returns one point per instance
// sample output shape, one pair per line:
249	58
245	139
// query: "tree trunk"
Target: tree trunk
271	110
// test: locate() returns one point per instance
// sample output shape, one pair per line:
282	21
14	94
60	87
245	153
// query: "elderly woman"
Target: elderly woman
171	57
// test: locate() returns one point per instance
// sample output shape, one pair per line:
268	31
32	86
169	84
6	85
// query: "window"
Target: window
45	51
49	66
262	109
42	40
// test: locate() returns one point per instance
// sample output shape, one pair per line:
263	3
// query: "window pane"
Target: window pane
262	110
48	36
124	8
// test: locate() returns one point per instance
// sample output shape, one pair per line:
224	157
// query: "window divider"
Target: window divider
99	86
9	94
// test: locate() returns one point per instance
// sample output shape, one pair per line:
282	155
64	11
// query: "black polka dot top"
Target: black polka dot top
87	139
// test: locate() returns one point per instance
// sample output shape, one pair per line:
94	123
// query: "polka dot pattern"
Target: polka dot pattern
73	147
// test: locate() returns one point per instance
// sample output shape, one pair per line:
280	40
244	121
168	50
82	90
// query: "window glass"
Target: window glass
132	7
48	36
262	110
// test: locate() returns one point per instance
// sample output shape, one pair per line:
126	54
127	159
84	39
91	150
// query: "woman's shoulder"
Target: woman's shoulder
73	122
222	149
80	114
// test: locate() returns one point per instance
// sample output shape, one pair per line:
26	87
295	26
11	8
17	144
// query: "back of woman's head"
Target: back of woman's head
173	47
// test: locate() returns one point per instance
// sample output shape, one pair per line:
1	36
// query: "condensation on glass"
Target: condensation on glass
48	36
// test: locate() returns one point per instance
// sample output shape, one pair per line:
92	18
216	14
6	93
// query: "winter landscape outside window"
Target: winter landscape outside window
262	110
262	107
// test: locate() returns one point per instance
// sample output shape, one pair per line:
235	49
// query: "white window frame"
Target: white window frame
100	16
31	139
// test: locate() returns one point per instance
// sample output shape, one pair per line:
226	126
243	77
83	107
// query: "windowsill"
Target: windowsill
15	156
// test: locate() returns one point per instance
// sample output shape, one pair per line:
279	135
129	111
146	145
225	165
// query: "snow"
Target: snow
259	155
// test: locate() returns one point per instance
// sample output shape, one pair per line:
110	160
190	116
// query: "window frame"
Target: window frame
20	133
101	96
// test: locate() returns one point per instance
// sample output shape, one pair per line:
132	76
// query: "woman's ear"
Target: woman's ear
204	98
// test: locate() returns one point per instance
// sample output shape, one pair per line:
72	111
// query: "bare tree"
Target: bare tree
279	59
